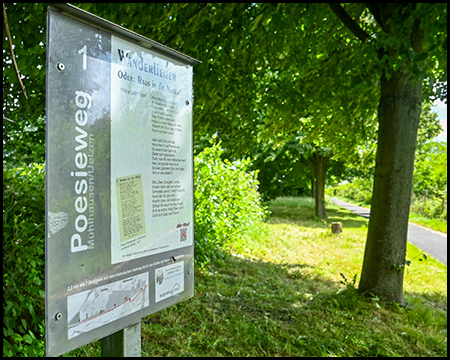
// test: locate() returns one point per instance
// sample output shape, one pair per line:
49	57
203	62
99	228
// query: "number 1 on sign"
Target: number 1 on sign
83	51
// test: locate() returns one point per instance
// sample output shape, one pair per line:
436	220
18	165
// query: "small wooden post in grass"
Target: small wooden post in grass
336	227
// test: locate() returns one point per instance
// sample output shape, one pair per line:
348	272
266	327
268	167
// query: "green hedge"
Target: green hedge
227	204
23	260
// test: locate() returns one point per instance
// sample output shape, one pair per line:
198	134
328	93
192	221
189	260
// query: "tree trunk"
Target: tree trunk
336	228
313	188
320	162
385	251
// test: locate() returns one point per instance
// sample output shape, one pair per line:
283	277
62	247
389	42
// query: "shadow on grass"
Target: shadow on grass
251	307
246	308
256	308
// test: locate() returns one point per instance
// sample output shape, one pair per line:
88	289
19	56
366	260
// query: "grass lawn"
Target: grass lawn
290	291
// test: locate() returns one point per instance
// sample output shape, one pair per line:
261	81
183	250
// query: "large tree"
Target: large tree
407	35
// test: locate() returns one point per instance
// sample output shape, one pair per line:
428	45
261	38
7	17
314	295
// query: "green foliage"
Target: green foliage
429	126
249	89
430	173
430	207
23	260
24	138
227	203
429	183
348	283
284	170
359	190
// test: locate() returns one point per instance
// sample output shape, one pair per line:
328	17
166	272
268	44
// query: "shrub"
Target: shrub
23	260
227	203
359	190
430	207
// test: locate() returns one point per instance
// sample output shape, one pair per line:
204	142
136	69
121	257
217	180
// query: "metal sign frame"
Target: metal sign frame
119	178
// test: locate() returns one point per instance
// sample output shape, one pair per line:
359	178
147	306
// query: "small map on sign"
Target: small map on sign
96	307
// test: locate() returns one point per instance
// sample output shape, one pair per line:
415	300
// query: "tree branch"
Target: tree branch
16	68
349	22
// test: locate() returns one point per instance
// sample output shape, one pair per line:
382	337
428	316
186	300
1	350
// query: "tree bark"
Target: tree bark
313	188
320	162
385	251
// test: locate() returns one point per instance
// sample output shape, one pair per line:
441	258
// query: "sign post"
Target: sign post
119	180
124	343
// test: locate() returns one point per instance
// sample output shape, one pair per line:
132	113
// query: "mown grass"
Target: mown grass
290	291
435	224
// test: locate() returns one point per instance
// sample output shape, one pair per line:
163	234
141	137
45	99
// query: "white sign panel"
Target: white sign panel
119	179
151	152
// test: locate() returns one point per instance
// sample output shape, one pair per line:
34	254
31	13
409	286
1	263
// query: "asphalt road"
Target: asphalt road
431	242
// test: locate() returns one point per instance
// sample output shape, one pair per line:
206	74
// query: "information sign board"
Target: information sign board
119	178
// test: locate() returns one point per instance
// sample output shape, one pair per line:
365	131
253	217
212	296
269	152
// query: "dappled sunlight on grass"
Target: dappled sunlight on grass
258	307
424	276
246	305
291	291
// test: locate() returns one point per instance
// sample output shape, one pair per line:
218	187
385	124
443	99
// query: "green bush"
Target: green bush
430	207
227	203
23	261
430	171
359	190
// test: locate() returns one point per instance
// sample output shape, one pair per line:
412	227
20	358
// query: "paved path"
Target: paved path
431	242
